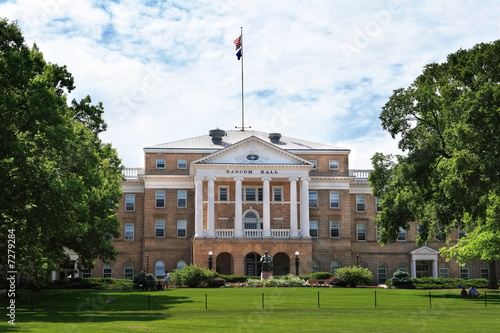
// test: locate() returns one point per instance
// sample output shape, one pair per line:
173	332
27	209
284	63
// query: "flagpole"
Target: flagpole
242	91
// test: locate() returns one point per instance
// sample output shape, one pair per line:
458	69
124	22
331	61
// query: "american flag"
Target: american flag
237	42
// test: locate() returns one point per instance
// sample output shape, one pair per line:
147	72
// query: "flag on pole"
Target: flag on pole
237	42
239	54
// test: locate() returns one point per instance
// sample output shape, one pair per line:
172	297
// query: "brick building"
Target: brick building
224	198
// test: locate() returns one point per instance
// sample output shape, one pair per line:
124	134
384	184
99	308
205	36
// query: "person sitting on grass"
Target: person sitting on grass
473	292
464	293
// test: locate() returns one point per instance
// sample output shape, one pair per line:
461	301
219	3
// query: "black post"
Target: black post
485	301
90	303
430	300
262	300
318	299
210	260
206	302
147	262
297	263
375	298
148	302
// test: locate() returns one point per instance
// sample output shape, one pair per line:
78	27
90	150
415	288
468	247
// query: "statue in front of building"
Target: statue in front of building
267	262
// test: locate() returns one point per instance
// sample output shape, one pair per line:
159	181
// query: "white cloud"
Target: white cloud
168	70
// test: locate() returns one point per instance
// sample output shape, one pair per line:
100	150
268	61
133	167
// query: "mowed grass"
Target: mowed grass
255	310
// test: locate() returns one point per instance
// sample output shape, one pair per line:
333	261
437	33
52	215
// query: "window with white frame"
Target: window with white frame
464	272
130	202
315	266
315	164
360	203
313	229
181	264
182	164
443	271
181	198
485	272
159	229
253	194
159	269
313	199
382	273
129	231
107	271
361	232
277	193
160	164
334	266
402	268
181	228
334	164
377	232
160	199
334	229
402	235
223	193
334	199
128	271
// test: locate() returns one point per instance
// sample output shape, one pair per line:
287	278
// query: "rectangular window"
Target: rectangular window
334	199
277	194
86	273
377	204
360	203
181	198
313	199
334	164
129	231
107	271
160	229
254	194
315	166
402	235
464	272
160	164
130	202
334	229
223	193
313	229
182	164
181	228
160	199
485	272
128	272
361	232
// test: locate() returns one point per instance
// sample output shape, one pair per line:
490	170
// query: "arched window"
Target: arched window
382	273
159	269
402	268
107	271
363	265
315	266
335	265
250	215
128	271
464	272
443	271
181	264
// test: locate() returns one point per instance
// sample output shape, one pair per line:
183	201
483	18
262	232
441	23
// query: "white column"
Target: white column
198	209
413	268
435	268
76	273
304	207
266	208
211	208
53	276
238	210
294	231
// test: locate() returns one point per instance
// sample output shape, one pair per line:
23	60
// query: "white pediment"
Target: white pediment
252	151
425	250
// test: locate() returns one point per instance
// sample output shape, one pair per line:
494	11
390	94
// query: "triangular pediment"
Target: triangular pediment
253	151
425	250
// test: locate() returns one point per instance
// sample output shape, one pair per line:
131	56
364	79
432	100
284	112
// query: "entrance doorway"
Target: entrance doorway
224	264
423	269
281	264
252	264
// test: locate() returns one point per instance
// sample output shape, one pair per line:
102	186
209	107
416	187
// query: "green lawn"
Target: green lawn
255	310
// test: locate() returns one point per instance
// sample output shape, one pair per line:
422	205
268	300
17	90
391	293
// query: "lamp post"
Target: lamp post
357	259
297	263
210	253
147	262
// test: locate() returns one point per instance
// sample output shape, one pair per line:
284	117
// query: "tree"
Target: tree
448	125
60	184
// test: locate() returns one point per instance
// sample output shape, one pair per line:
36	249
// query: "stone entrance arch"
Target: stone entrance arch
252	264
281	264
224	263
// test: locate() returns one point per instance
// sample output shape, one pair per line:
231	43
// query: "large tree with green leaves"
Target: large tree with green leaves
59	183
448	126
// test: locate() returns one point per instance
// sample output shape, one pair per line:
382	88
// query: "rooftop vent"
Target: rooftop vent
217	135
275	137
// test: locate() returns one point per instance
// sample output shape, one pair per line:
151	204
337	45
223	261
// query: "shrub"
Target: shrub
354	275
150	280
319	276
191	276
92	283
336	282
402	280
447	283
216	282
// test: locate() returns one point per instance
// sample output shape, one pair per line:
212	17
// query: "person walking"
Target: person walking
166	280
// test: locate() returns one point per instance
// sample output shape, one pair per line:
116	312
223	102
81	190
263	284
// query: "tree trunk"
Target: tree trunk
492	275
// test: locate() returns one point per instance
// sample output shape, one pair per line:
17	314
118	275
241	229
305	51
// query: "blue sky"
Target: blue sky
315	70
